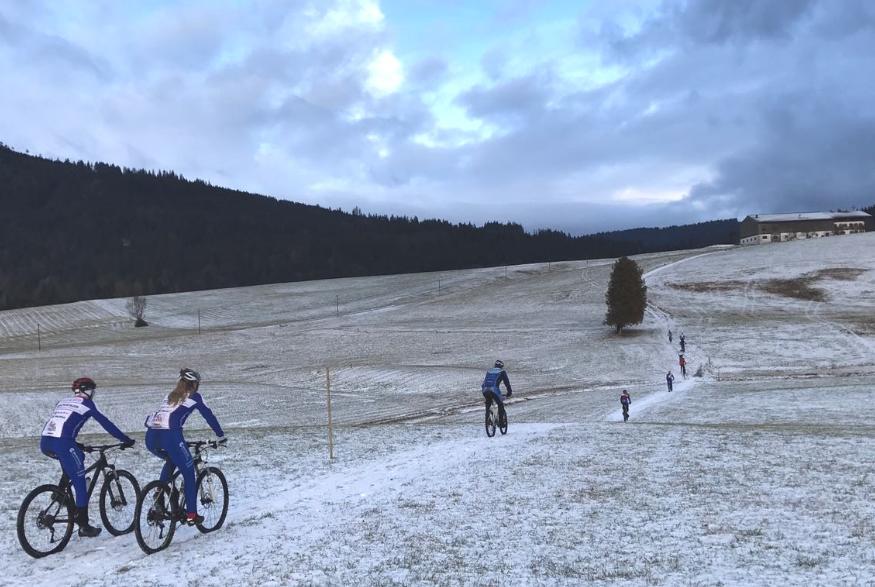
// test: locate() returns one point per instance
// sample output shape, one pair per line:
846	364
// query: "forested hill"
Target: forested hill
74	230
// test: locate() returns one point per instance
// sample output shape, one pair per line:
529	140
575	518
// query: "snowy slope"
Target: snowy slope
762	477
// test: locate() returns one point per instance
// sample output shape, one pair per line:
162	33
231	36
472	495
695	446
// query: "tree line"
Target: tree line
77	230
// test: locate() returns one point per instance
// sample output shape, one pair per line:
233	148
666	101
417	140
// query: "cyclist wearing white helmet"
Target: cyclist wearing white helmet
59	442
164	436
491	385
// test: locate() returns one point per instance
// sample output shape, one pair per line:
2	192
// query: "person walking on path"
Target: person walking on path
683	363
683	344
669	380
669	335
625	400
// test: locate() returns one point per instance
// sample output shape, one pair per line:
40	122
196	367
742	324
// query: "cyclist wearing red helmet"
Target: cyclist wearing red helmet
59	442
164	436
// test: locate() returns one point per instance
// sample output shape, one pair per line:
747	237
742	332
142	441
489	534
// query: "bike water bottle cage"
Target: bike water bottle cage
85	386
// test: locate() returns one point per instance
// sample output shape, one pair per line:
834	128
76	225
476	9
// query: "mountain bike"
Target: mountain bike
496	416
46	516
162	504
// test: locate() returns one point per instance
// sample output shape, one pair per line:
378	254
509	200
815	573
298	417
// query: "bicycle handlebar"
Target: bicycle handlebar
197	445
100	447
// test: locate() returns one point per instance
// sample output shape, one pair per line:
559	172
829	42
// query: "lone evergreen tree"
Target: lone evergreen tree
626	296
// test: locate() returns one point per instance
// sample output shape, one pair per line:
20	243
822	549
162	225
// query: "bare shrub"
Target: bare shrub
137	309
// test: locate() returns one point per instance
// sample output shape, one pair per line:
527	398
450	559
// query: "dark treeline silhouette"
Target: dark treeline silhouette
75	230
675	238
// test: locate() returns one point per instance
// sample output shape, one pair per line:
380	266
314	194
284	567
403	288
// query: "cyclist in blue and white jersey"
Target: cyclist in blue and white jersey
164	436
59	442
491	385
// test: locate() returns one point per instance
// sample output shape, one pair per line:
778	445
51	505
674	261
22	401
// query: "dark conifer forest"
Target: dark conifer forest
75	230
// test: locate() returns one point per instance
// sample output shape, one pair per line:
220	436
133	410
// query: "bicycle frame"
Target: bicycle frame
199	460
102	465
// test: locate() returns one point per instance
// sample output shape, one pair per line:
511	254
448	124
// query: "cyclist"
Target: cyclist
491	386
625	400
164	436
59	442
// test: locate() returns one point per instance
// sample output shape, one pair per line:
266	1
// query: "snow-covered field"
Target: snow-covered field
760	472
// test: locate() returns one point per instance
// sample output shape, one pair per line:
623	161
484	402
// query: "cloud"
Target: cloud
520	98
385	74
810	156
429	70
586	117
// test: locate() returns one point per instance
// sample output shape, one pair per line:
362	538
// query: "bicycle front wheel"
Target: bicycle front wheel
154	517
490	424
502	420
45	521
118	502
212	496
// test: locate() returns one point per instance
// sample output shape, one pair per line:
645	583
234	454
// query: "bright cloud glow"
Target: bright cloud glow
632	195
385	74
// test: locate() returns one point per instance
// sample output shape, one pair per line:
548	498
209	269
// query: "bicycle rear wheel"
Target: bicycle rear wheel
155	517
45	521
212	495
490	424
118	502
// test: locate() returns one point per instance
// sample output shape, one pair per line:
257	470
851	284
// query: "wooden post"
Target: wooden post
198	321
330	427
39	342
439	286
505	271
337	305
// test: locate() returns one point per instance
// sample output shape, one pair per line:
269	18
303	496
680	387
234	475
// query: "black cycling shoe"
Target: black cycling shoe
89	531
86	530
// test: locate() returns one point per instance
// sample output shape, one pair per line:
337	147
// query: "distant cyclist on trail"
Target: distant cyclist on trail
625	401
59	442
682	363
669	380
164	435
491	386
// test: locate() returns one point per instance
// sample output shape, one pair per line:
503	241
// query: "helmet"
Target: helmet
190	375
85	386
499	364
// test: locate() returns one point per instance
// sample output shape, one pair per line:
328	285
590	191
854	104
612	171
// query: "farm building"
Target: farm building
760	229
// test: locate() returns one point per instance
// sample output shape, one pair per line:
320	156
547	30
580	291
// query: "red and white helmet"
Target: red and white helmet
85	386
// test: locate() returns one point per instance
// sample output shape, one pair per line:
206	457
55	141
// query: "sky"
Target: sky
580	116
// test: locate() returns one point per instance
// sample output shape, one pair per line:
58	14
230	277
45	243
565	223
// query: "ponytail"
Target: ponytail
181	392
